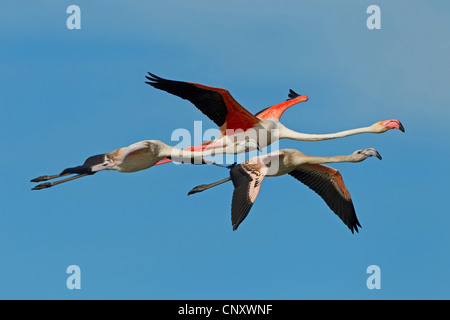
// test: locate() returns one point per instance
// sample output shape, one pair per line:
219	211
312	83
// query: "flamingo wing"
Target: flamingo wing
275	112
329	185
216	103
247	179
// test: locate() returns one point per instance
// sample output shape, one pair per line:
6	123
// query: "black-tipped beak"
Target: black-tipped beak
371	152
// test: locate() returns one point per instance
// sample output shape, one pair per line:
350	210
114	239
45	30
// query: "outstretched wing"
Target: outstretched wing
275	112
247	179
216	103
328	184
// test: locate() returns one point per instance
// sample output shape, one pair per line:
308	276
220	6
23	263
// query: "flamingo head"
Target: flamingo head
363	154
91	165
385	125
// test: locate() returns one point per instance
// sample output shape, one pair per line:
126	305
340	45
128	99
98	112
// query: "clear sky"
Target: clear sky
69	94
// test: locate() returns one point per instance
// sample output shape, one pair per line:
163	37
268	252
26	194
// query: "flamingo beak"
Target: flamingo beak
400	126
393	124
371	152
378	155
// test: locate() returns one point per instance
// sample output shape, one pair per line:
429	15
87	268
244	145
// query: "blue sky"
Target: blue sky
68	94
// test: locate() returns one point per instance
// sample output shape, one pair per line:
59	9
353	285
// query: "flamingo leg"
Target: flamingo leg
204	187
45	178
51	184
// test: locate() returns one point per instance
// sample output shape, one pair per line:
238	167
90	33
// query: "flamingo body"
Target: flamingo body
136	157
235	122
327	182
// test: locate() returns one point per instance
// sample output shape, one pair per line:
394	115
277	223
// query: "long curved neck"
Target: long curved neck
286	133
333	159
196	157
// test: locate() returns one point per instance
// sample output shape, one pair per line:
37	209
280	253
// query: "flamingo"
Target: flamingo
327	182
138	156
235	121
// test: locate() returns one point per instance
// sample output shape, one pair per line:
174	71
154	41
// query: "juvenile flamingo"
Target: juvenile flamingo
325	181
138	156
